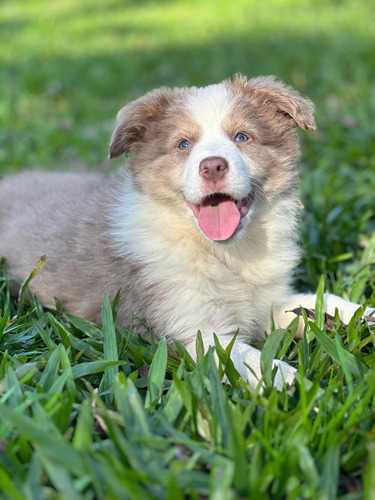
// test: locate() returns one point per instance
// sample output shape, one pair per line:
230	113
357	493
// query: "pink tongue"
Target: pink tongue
218	222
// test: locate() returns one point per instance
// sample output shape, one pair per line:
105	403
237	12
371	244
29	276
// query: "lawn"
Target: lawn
78	416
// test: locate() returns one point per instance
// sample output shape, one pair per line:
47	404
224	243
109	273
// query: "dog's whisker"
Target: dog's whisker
259	192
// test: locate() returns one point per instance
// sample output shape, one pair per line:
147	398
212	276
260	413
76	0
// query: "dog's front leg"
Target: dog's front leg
245	356
283	314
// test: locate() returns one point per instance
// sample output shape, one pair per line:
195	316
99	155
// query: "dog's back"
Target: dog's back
60	216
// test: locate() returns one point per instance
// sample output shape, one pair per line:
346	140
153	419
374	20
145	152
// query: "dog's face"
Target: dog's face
213	152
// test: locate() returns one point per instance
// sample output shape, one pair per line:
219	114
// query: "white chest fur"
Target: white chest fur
198	284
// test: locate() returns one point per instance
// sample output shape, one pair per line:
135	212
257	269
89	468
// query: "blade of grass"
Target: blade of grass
156	375
109	349
319	304
50	372
343	362
330	473
354	365
226	364
13	385
199	346
83	434
89	368
25	284
268	354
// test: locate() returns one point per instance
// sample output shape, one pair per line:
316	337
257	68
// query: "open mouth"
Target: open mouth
219	215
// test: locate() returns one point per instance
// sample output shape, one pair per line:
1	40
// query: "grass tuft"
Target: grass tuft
77	420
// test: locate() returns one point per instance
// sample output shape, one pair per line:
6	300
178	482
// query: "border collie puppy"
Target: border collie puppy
199	232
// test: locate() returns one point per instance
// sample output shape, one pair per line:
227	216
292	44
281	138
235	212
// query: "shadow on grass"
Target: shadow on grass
63	107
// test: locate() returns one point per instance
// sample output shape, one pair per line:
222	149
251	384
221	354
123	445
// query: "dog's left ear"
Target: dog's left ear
284	98
134	119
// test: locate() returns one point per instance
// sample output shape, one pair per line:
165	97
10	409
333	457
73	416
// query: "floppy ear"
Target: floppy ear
283	97
134	119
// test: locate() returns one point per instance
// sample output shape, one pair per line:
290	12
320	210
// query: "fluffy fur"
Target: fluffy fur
139	231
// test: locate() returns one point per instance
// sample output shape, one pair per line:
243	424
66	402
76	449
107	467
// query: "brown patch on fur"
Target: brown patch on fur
274	146
280	96
161	120
134	119
157	163
151	129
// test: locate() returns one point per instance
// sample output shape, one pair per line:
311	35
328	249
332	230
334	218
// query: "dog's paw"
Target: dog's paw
285	374
247	362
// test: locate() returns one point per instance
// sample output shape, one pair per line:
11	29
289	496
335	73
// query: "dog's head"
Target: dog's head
214	152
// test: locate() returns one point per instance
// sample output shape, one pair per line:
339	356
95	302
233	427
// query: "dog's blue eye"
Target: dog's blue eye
184	144
241	138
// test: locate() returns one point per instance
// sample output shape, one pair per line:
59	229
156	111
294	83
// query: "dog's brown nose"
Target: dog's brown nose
213	168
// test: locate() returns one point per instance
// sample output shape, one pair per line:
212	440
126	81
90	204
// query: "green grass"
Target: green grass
78	416
78	419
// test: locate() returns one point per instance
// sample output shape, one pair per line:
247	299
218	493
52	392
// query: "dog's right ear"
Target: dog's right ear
134	119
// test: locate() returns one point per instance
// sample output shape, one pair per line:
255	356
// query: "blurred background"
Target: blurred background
68	66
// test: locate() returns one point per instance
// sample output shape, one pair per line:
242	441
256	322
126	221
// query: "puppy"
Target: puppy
200	231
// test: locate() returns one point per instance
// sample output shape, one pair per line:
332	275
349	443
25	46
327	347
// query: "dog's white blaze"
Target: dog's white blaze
209	108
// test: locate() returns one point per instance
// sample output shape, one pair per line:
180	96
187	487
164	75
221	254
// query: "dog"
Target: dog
200	230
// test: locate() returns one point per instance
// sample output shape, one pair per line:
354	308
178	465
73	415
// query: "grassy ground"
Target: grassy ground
77	423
